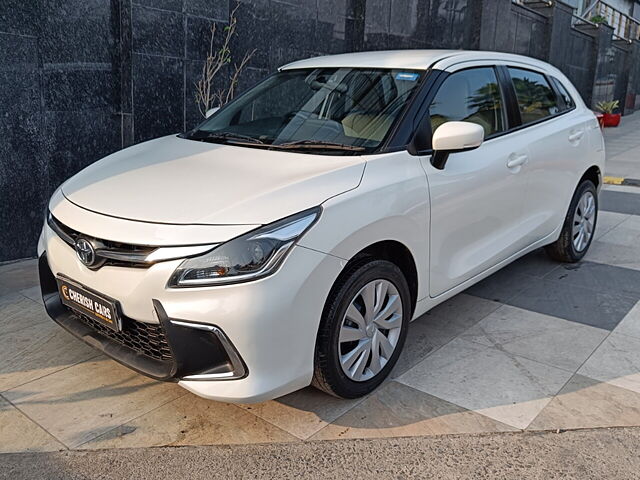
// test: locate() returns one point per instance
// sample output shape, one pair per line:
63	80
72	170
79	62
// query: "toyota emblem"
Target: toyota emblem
85	252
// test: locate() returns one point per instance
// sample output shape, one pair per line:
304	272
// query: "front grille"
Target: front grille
145	338
107	252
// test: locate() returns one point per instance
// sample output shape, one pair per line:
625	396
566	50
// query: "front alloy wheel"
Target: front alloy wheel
370	330
363	328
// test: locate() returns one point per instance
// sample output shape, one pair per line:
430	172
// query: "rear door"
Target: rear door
477	199
557	139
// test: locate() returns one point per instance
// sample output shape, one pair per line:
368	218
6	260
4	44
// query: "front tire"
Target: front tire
362	330
579	226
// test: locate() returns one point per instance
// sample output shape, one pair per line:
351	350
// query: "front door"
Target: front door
477	199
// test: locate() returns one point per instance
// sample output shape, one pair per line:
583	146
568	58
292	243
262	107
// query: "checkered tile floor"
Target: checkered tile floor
539	345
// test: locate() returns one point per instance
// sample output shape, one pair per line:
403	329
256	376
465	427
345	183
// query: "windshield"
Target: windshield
328	110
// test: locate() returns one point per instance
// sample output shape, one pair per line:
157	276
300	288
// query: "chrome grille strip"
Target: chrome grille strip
127	254
56	227
159	254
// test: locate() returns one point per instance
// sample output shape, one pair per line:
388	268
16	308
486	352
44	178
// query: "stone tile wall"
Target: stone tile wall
80	79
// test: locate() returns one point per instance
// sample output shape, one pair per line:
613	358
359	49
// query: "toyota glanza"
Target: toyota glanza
291	237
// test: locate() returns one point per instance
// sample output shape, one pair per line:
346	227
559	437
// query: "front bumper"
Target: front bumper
173	350
271	324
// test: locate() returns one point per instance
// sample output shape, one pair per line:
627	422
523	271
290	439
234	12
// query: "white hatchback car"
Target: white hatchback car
290	238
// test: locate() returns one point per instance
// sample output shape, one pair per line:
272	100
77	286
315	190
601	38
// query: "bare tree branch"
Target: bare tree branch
216	60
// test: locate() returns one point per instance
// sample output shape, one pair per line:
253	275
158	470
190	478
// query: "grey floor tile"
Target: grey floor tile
302	413
630	324
191	420
19	434
458	313
607	221
18	276
501	286
612	254
600	277
397	410
535	264
632	221
620	202
623	235
441	325
616	361
588	403
33	293
578	304
84	401
621	188
37	351
495	383
18	312
422	340
550	340
625	165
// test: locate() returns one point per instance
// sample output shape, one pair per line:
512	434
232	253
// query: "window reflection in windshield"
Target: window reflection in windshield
318	108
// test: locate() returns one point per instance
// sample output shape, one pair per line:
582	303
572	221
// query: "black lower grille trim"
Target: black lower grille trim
145	338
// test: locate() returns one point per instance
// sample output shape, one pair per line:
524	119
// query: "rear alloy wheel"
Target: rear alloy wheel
362	330
579	226
584	221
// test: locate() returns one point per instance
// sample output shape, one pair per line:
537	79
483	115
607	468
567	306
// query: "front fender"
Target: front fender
391	203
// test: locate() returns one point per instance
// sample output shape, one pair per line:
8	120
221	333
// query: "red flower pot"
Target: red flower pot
611	119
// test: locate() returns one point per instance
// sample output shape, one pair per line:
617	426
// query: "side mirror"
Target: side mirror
451	137
211	111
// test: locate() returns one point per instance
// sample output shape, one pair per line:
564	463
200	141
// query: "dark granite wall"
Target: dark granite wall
56	106
80	79
169	38
543	33
632	99
83	78
617	73
577	65
511	28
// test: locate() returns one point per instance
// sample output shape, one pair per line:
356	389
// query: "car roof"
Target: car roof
403	59
415	59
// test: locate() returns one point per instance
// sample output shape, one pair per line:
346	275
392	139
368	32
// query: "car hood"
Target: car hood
179	181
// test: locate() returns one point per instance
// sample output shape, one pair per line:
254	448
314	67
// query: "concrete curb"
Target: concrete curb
633	182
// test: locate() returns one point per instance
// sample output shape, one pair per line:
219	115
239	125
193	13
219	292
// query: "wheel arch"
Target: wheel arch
594	174
396	253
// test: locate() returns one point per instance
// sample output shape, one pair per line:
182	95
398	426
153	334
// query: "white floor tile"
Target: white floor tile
550	340
508	388
616	361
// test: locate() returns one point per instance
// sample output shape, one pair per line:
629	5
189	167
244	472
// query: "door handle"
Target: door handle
575	137
516	161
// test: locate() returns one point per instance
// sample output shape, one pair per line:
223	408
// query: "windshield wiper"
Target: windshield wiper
318	144
240	139
230	136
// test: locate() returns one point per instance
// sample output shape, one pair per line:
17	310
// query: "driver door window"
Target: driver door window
471	95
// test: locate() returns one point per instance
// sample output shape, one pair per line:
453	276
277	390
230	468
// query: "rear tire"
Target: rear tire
362	330
579	226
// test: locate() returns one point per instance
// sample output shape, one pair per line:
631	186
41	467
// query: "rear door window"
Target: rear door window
471	95
536	98
569	104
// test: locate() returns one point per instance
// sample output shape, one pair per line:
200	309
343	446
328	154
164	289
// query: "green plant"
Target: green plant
599	20
608	107
206	96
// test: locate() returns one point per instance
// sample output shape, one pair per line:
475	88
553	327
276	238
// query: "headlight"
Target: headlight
253	255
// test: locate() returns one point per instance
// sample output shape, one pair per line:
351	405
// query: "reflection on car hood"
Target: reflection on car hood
179	181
